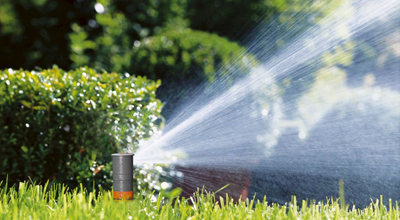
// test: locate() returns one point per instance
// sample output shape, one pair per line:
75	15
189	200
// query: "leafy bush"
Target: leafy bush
185	59
106	42
63	126
148	17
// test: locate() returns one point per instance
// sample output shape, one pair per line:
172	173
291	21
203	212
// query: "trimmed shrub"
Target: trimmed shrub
63	126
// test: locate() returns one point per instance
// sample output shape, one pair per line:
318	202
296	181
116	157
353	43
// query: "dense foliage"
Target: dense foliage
33	33
101	33
63	126
107	42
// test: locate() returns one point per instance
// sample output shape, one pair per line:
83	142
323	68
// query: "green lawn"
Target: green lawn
56	202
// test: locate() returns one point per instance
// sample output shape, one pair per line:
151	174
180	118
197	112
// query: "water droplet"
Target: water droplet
27	125
164	185
302	135
99	8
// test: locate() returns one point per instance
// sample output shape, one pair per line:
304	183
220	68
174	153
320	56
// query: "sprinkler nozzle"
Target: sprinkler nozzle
122	176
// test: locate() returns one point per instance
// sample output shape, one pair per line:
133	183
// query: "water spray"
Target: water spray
122	176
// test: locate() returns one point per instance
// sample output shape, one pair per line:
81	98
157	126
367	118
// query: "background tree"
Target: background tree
33	33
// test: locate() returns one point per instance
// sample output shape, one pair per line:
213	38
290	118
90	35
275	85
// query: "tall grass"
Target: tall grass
57	202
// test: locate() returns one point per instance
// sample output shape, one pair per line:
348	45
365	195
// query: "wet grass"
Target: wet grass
57	202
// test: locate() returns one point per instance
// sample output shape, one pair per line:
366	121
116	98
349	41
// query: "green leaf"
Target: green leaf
24	149
175	193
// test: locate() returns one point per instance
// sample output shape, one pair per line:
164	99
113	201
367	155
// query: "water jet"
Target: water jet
311	114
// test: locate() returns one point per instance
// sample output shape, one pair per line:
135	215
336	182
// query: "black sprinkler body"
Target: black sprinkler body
122	176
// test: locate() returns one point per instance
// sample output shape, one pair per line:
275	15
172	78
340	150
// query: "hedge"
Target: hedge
63	126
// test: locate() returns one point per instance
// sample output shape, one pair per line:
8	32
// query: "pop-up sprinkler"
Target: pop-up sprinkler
122	176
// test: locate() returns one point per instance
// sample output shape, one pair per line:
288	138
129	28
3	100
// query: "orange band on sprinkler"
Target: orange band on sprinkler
123	195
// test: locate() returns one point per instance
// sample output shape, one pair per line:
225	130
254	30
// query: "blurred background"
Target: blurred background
190	45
